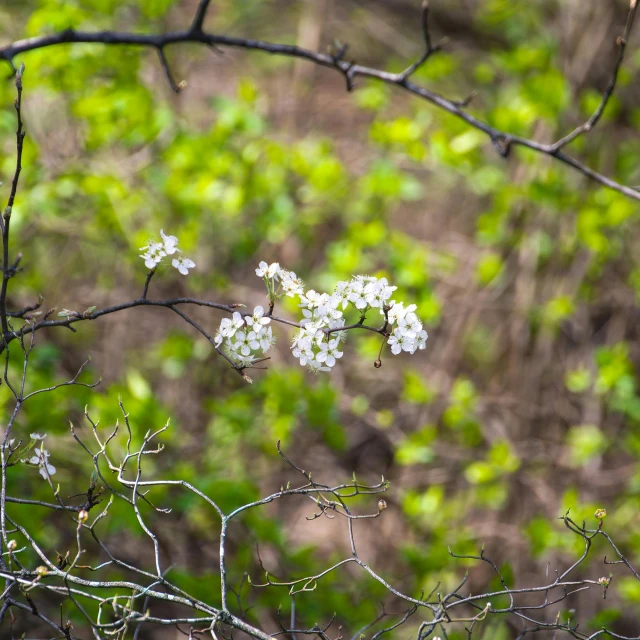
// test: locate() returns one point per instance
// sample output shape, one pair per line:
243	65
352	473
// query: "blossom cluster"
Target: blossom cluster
317	344
154	252
245	338
279	281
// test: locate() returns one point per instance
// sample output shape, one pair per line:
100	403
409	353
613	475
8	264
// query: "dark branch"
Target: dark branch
348	69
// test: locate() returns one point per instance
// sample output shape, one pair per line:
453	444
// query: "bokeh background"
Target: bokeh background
526	401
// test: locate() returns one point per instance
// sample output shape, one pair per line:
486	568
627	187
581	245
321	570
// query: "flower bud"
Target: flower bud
600	513
83	515
382	505
12	545
42	571
604	582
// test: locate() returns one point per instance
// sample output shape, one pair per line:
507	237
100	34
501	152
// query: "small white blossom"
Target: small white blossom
310	300
150	260
400	342
228	327
291	284
41	458
312	329
377	293
245	342
152	247
329	352
257	321
410	325
342	293
358	295
183	264
37	436
265	270
170	243
232	324
315	367
267	339
304	357
421	339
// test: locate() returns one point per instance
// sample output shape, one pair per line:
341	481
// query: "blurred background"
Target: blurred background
526	400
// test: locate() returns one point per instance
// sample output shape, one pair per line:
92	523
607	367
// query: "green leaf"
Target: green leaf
585	442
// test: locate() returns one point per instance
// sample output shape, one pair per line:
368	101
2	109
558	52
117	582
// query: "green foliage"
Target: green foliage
113	156
585	443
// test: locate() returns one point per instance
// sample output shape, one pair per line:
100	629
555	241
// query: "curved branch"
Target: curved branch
503	141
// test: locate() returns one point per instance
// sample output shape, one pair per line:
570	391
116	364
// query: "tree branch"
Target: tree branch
501	139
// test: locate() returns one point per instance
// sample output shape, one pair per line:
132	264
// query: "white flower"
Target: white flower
310	300
341	295
150	261
261	271
274	270
358	295
421	339
183	264
231	325
265	270
312	329
257	321
377	293
400	342
170	243
315	367
37	436
410	325
228	327
267	339
329	352
153	254
303	352
291	284
245	342
153	247
398	310
41	458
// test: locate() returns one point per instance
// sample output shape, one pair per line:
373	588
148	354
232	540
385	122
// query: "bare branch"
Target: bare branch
349	70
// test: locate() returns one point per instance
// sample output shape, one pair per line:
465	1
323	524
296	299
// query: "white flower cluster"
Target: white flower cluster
408	334
279	281
317	343
154	252
244	337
